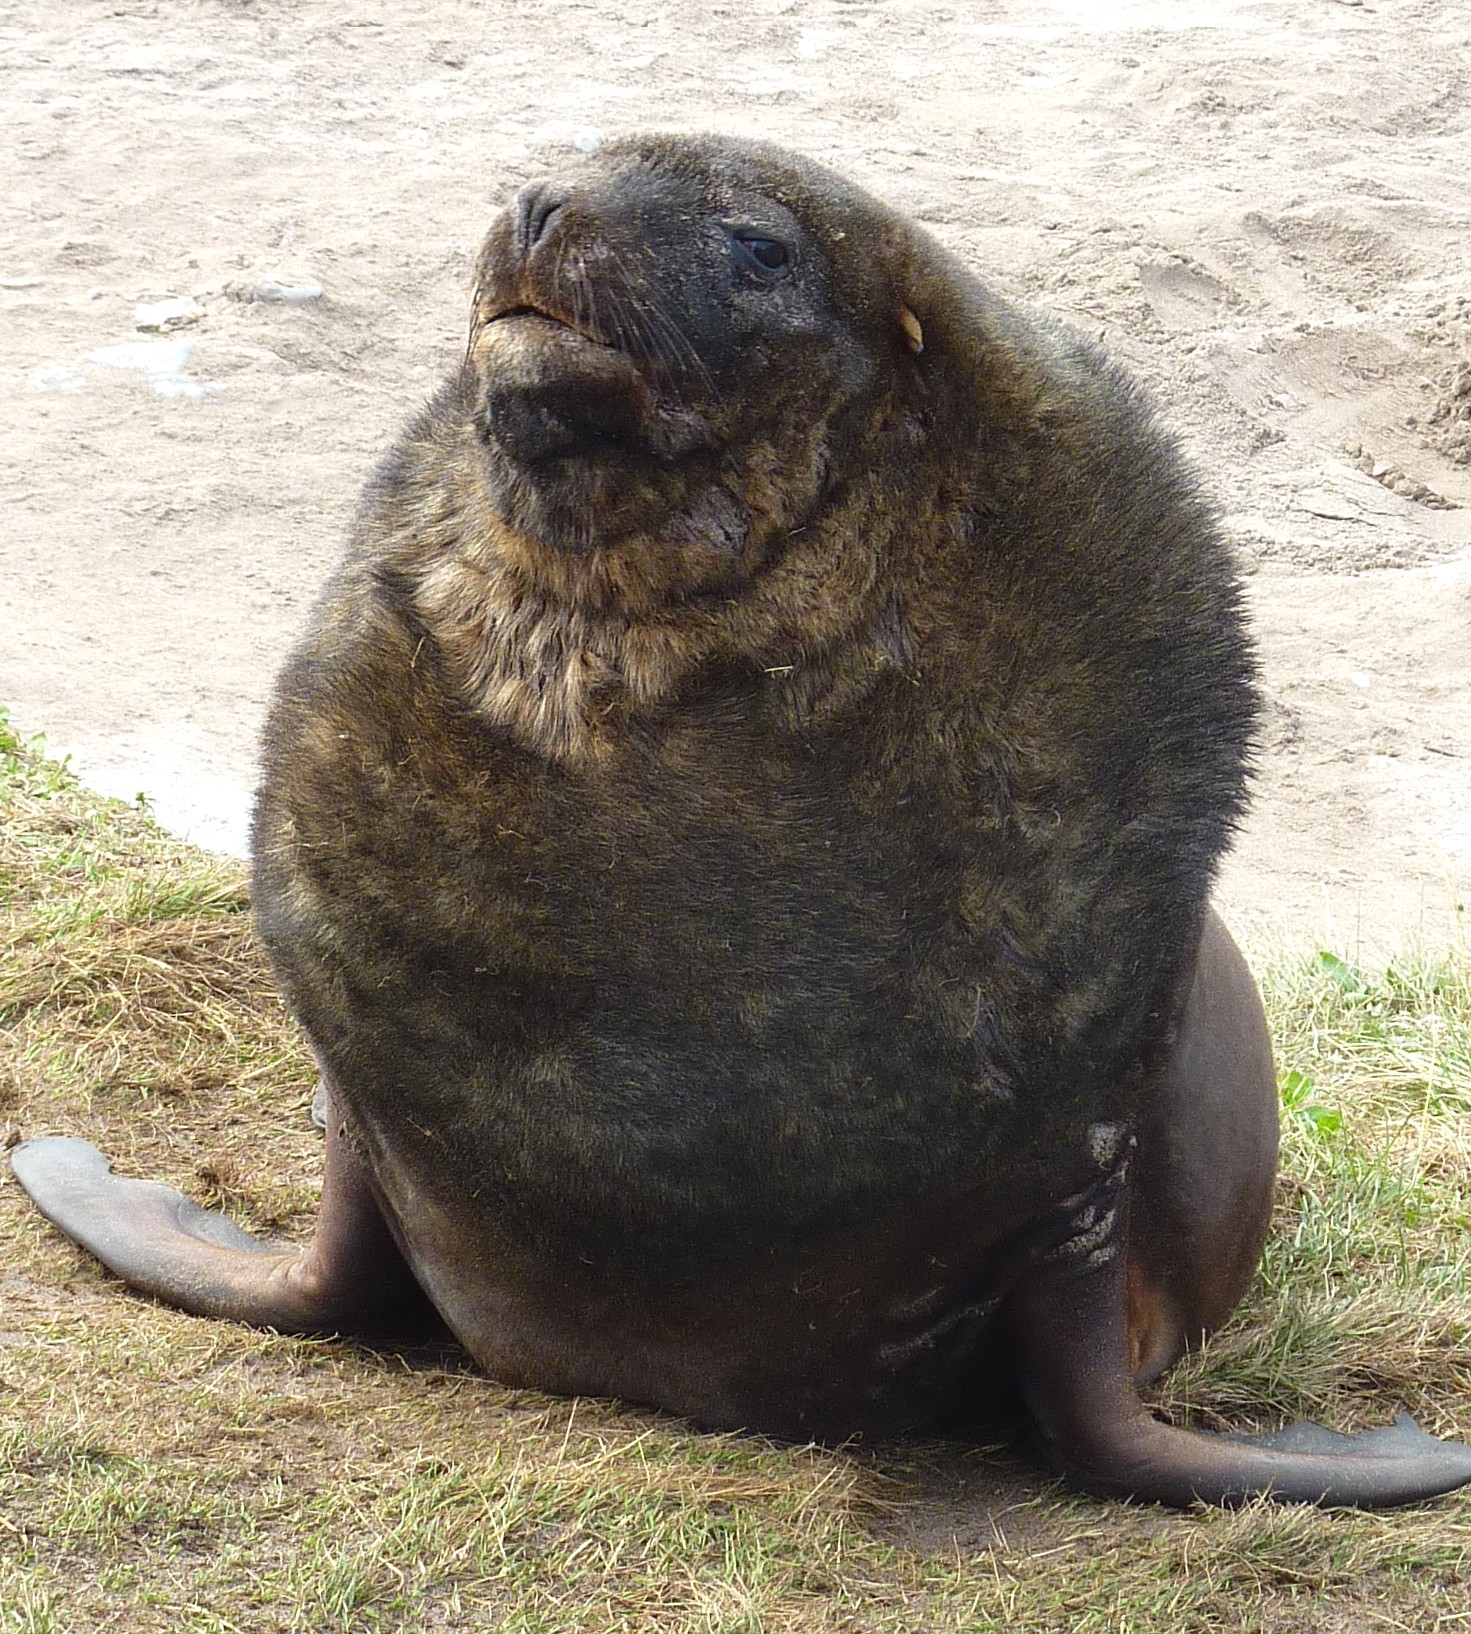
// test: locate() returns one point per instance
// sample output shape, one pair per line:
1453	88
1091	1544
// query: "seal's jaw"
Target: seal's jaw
585	435
554	394
581	447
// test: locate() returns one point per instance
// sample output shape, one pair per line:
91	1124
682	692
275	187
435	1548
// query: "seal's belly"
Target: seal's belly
887	1330
794	1220
750	1113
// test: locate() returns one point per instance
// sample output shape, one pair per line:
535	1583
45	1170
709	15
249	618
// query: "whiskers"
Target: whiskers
615	304
477	321
598	289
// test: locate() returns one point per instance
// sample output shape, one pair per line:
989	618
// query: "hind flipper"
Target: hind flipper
1066	1322
351	1278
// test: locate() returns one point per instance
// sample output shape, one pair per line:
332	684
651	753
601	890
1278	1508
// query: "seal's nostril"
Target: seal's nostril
533	210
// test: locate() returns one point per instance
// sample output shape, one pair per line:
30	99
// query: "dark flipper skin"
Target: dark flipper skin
1071	1349
351	1279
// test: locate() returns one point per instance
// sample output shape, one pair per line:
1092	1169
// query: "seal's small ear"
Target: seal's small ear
913	331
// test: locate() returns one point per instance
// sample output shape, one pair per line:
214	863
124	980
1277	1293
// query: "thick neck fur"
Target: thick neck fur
565	650
566	676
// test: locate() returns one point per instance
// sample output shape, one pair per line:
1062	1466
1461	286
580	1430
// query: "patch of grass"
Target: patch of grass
1366	1289
163	1473
131	988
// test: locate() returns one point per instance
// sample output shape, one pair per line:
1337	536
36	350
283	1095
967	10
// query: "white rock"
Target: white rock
56	377
176	312
286	286
581	138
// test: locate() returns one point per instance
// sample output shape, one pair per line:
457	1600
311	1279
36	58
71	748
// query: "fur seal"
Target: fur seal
737	834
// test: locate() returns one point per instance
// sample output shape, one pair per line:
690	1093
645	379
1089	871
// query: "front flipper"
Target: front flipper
351	1278
1066	1321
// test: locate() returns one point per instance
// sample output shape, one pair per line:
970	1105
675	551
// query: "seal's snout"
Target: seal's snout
531	214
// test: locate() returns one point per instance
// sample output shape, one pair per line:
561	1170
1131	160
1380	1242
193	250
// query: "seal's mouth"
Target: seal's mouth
525	312
582	381
556	390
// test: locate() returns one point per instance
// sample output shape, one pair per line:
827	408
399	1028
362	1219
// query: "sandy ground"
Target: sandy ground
1264	208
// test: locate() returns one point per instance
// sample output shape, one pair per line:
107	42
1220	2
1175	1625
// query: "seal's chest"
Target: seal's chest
725	871
734	951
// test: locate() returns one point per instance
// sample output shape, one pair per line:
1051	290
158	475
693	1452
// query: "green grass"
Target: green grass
163	1473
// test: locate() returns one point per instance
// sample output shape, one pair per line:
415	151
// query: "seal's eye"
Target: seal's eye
768	256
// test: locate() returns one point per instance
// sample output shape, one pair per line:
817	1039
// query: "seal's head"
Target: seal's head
671	343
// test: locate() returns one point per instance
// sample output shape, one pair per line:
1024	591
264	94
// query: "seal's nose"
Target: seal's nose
532	211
